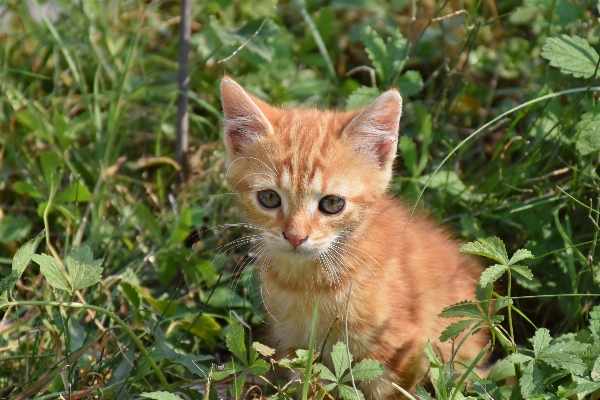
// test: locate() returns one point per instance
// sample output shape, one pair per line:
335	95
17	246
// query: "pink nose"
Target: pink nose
295	240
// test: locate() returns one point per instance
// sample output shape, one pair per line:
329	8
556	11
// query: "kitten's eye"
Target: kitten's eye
269	198
331	204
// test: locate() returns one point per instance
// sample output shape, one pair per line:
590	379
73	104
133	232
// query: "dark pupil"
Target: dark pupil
331	204
269	198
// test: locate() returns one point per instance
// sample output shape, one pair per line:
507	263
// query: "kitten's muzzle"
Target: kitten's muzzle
295	240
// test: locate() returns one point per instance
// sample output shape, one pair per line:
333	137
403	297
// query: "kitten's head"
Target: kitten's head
305	176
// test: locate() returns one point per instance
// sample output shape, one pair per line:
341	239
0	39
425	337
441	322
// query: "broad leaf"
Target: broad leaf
349	393
541	340
595	323
488	390
466	309
376	50
572	54
365	370
491	247
518	358
339	356
83	269
361	97
23	255
75	192
520	255
455	329
565	356
410	83
325	373
588	141
53	272
523	271
263	350
532	381
235	343
492	274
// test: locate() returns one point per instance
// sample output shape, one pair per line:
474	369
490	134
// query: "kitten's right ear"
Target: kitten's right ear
243	119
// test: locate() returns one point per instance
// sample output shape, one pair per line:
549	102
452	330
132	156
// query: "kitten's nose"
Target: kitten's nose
295	240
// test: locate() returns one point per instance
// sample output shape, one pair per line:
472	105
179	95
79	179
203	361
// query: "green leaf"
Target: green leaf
572	54
50	164
361	97
348	393
466	309
263	350
410	83
491	274
365	370
518	358
228	369
541	340
523	271
565	355
83	269
22	187
324	373
23	255
53	272
238	385
588	141
339	356
160	396
14	228
488	390
491	247
422	393
520	255
455	329
75	192
234	340
532	381
595	323
408	151
376	50
259	367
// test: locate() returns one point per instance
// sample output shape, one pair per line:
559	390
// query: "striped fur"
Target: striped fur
402	280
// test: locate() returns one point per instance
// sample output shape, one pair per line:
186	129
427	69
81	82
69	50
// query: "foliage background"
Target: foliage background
87	117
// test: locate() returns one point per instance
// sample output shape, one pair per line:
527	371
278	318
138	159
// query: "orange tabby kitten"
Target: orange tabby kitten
314	183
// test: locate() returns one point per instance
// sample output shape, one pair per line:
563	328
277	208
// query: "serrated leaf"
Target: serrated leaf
531	381
234	340
339	356
541	340
595	323
588	140
517	358
325	373
572	54
226	370
349	393
565	356
23	255
83	269
580	388
523	271
265	351
365	370
75	192
492	247
361	97
492	274
488	390
455	329
422	393
520	255
501	303
160	396
53	272
410	83
466	309
376	50
259	367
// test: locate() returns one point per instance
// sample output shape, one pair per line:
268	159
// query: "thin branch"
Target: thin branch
183	80
364	68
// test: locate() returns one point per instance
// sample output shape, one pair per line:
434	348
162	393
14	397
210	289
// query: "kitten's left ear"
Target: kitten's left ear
374	131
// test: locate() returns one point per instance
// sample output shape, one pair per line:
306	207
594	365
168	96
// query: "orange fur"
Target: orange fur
402	280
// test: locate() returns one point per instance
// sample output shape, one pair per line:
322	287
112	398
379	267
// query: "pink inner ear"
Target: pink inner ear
374	130
244	119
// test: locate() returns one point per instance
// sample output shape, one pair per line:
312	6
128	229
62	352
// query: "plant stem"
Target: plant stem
311	346
510	324
109	314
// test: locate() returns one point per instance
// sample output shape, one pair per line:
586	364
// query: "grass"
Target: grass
494	144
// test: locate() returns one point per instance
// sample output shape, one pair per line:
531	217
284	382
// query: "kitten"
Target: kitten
314	183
